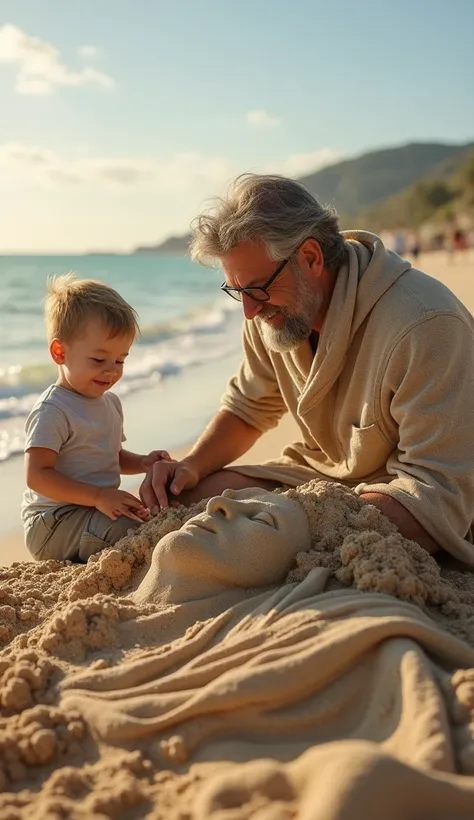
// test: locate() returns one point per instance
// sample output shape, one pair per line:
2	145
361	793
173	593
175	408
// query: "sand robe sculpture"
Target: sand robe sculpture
296	658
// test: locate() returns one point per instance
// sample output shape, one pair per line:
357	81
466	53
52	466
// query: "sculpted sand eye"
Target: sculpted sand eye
265	518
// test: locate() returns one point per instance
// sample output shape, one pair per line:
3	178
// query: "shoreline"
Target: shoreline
143	428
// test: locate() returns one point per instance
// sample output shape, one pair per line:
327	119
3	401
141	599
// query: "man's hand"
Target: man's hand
115	503
175	475
155	455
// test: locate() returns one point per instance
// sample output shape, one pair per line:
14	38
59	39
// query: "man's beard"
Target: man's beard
296	326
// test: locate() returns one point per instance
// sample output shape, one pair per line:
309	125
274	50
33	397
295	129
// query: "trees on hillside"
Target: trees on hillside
440	201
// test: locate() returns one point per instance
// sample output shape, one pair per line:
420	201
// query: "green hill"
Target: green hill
174	244
359	187
360	183
439	198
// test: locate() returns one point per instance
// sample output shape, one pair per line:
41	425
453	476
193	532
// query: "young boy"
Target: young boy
74	433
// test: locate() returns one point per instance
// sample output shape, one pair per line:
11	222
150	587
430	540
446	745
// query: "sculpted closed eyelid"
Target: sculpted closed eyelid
267	518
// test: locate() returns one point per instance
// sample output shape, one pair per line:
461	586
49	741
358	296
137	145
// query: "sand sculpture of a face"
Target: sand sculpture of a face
243	539
251	539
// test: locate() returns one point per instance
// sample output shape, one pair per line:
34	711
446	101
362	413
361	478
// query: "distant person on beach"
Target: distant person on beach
73	506
398	243
373	359
457	244
415	247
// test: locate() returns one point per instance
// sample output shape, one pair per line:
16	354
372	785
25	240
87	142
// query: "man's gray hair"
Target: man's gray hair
271	209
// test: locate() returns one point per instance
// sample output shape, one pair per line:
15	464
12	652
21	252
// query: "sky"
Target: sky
120	118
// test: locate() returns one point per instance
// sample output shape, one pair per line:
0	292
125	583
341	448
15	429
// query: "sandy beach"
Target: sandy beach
144	686
457	274
321	665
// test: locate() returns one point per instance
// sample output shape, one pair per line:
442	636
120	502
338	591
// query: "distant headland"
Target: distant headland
402	187
174	244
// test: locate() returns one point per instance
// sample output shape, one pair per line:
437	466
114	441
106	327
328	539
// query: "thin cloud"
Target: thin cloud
297	165
40	69
41	166
89	52
260	118
184	171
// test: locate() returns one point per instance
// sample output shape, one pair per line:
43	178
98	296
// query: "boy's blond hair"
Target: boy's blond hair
70	302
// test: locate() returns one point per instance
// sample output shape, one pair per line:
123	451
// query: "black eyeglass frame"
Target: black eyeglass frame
236	293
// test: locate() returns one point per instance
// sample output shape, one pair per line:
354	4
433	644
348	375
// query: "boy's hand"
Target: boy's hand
155	455
115	503
144	514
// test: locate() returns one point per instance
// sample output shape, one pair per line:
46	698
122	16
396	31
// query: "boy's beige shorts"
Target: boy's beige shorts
73	533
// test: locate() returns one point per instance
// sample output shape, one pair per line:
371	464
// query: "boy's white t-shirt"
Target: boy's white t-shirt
87	435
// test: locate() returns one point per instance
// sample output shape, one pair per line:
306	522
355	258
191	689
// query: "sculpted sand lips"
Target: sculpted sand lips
353	693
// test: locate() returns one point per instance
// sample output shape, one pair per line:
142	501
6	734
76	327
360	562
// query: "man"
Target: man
373	359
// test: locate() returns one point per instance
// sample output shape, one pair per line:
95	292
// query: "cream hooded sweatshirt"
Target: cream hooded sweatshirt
387	402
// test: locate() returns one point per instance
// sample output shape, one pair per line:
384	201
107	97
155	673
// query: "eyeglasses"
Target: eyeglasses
259	294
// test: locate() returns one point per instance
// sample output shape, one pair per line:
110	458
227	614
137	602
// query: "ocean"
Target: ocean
186	324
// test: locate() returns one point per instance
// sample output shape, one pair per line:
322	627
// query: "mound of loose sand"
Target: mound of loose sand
305	701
